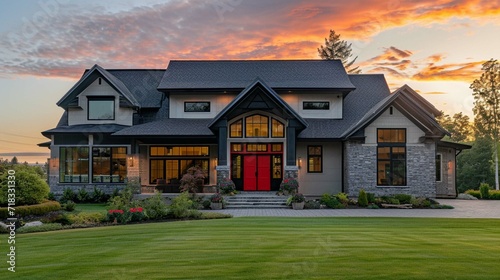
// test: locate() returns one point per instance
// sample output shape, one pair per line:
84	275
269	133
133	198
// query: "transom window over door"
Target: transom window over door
257	126
391	157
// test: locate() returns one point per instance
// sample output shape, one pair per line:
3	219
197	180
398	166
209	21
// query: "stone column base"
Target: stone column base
222	172
291	171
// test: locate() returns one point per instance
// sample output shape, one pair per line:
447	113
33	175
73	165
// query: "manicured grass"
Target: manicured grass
266	248
89	207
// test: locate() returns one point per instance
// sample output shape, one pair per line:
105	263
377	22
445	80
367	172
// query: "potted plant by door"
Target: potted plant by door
298	200
216	201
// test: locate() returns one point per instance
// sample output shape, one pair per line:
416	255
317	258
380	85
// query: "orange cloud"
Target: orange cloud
450	72
148	37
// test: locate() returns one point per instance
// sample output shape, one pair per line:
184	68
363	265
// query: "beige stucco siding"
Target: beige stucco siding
330	180
396	120
296	100
217	104
77	116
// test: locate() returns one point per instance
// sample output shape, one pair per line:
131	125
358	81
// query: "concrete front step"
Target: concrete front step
256	200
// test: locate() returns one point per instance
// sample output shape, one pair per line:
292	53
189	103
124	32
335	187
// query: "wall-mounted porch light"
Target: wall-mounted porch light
131	161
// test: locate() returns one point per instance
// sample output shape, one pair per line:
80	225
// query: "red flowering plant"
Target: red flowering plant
289	186
226	186
136	214
117	215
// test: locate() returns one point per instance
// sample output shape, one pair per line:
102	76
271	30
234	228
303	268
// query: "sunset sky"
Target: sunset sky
437	47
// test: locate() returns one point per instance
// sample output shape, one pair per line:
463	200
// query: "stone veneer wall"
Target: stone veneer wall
360	170
57	188
222	172
291	171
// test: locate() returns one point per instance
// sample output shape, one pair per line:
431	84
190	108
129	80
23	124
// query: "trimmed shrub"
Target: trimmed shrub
98	195
362	198
68	195
342	198
51	196
182	207
390	200
312	204
87	218
420	202
331	201
206	204
155	207
82	196
371	197
42	228
403	198
30	188
35	210
494	194
484	190
474	193
69	206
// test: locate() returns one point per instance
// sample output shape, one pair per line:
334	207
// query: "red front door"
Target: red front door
257	173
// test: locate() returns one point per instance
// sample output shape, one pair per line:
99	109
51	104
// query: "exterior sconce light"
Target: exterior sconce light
130	161
300	162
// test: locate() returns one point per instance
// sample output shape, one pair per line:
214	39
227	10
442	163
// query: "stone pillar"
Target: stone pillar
291	171
222	172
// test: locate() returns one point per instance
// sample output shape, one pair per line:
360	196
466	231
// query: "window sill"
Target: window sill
398	187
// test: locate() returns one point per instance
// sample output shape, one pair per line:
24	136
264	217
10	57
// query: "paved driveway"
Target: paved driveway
463	209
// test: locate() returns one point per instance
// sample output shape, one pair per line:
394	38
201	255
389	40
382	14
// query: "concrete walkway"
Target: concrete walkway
463	209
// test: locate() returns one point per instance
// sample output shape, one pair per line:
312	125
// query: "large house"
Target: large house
256	122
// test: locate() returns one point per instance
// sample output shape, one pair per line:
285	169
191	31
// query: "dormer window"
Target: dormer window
101	107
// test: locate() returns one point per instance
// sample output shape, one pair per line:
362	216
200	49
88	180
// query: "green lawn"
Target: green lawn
266	248
90	207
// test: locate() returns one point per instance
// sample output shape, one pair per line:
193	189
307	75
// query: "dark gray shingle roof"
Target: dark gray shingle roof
85	128
142	85
238	74
138	87
370	90
169	127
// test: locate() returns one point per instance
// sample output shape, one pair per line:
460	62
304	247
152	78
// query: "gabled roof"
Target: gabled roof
414	107
237	74
250	90
88	78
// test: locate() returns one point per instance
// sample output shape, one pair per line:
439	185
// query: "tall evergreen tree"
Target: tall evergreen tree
14	160
486	92
335	48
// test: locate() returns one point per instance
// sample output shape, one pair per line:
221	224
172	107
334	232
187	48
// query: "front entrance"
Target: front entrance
256	167
257	173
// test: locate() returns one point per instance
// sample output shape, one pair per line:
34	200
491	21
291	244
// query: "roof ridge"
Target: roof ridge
248	60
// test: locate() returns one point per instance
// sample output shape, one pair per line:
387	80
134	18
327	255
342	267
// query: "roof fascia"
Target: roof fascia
97	71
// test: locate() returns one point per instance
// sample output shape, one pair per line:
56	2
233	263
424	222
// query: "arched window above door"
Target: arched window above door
257	126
